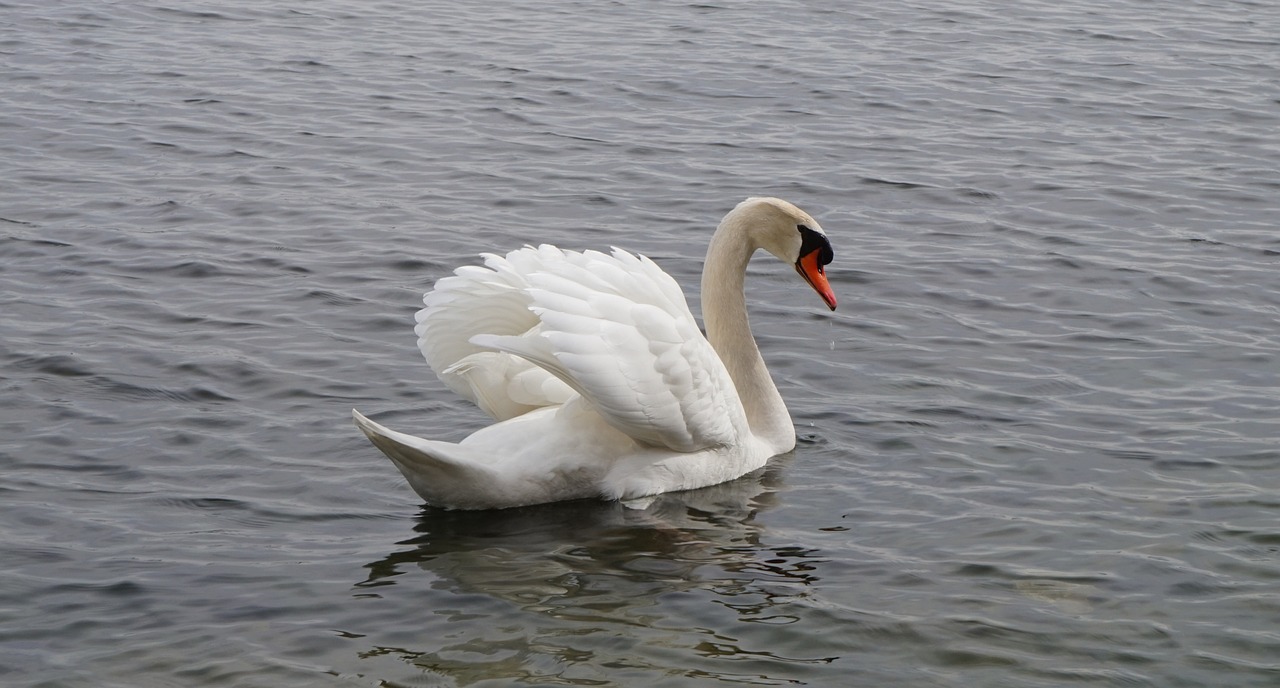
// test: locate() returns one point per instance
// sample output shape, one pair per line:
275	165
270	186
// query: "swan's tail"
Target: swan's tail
442	473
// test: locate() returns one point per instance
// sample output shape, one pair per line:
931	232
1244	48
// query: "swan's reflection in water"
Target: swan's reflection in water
583	592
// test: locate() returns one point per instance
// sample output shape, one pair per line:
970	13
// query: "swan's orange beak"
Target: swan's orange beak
812	272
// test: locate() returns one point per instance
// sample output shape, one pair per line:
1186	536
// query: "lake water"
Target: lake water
1038	442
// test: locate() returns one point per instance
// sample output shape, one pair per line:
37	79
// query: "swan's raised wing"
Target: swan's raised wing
486	300
617	329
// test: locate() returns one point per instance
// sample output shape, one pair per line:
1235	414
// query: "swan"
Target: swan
595	371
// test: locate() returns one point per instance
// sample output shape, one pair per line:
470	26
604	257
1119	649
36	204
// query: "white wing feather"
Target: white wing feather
490	300
617	329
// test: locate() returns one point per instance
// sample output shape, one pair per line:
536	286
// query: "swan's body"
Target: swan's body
597	375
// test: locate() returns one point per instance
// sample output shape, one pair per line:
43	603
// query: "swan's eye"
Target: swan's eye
811	240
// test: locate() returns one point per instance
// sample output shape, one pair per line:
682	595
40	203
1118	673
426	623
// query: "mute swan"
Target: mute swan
597	375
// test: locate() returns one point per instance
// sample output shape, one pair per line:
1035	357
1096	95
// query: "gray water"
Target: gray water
1038	441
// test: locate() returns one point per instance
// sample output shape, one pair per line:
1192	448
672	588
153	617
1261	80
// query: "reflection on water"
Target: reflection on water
589	585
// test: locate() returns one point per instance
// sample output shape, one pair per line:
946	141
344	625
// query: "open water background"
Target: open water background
1039	440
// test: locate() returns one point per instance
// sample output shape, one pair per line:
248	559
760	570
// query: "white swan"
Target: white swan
594	368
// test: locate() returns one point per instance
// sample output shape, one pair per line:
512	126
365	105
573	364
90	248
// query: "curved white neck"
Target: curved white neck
724	312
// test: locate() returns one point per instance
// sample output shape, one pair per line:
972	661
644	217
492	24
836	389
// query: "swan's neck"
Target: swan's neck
724	312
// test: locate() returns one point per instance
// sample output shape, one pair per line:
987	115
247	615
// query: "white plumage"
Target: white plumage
596	371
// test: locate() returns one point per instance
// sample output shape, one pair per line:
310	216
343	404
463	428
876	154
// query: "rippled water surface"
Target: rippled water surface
1039	440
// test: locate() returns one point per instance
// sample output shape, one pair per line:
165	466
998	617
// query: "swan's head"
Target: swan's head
793	236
